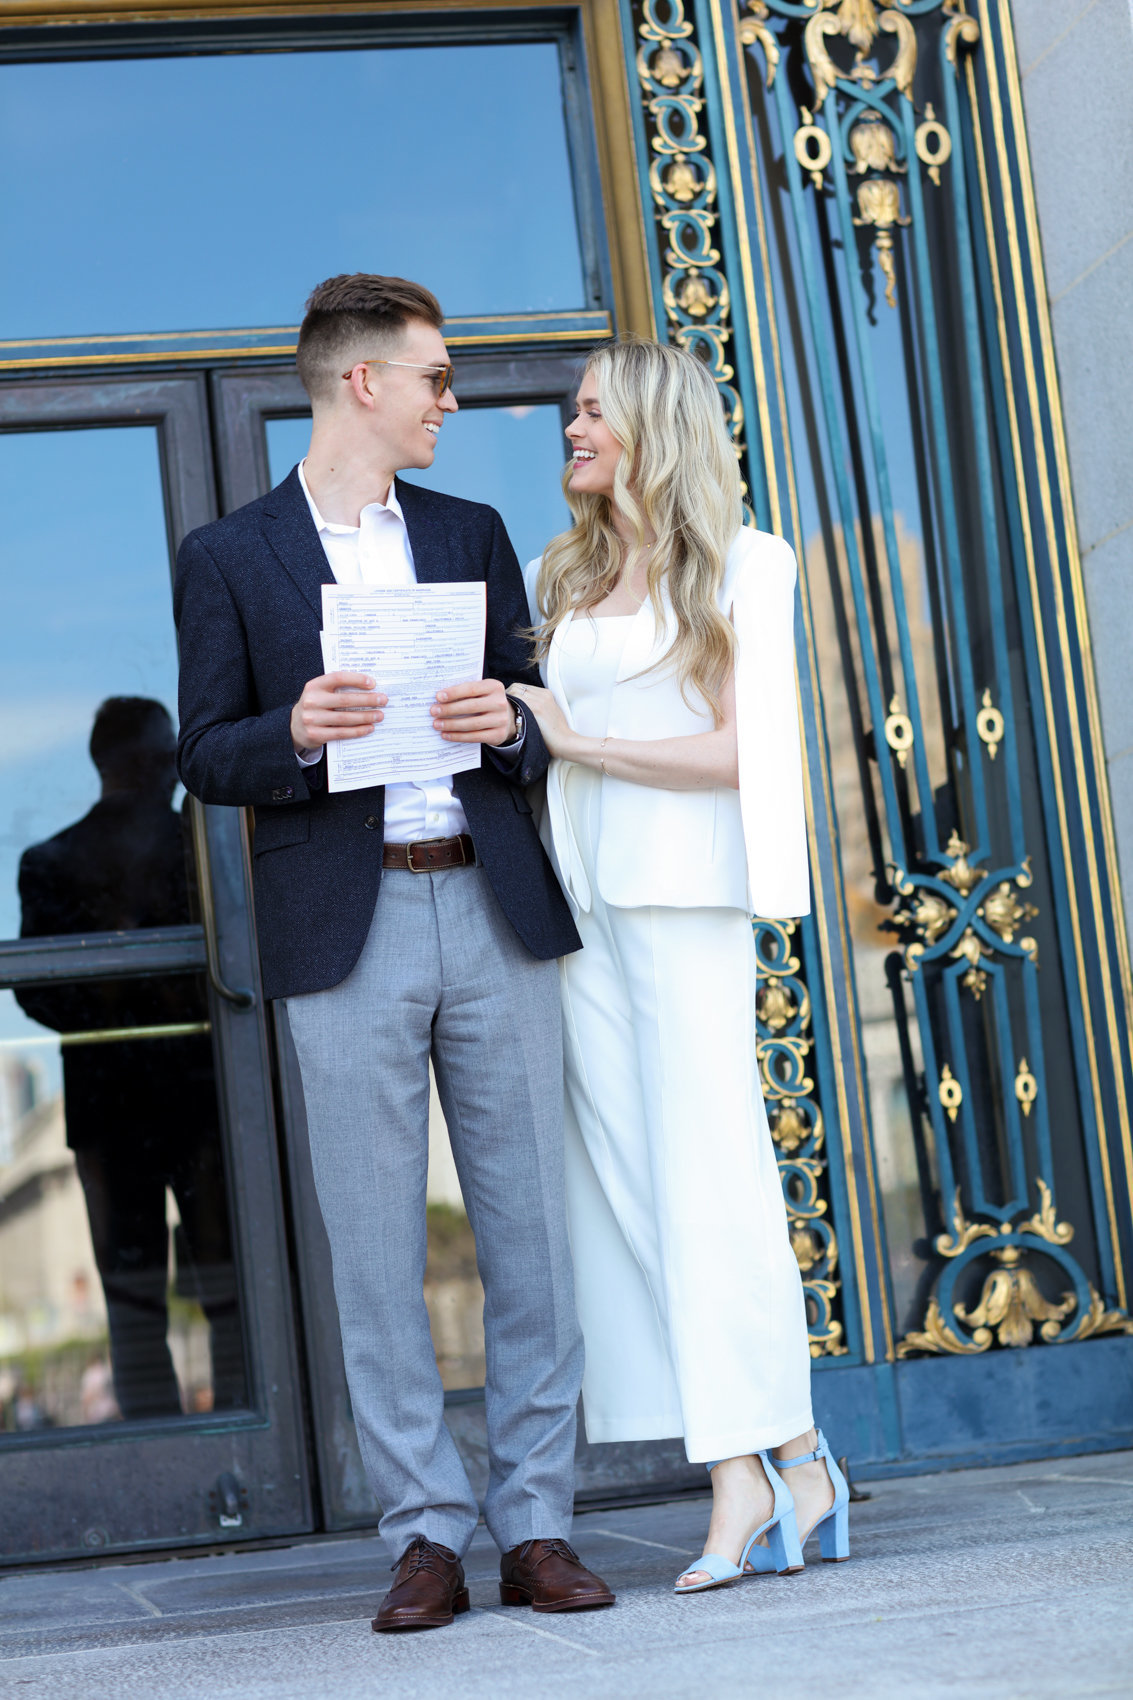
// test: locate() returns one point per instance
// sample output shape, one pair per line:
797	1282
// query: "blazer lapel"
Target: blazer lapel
432	556
554	672
290	530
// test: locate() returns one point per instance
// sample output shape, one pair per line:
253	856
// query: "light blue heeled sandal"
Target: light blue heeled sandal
721	1570
833	1526
783	1553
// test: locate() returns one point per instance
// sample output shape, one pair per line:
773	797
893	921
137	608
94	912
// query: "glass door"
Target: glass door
148	1386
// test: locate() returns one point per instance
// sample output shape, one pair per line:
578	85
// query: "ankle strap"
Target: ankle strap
789	1463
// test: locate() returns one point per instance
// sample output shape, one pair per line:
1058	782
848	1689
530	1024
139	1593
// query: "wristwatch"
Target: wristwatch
520	722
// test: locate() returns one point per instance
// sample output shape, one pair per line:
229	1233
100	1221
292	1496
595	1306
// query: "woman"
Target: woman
674	810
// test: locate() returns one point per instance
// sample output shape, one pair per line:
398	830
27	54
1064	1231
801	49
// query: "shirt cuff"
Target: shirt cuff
309	758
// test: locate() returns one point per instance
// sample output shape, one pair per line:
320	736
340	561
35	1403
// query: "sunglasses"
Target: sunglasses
441	382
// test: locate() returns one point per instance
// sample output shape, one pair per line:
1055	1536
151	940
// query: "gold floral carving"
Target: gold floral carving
872	145
1012	1302
960	875
879	205
859	22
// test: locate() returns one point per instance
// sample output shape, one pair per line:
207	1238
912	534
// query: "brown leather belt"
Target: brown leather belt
426	855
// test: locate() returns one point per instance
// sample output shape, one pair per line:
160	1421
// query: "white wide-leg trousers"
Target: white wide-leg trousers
688	1291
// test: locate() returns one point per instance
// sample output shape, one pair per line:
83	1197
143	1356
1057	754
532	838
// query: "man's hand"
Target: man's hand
475	713
335	705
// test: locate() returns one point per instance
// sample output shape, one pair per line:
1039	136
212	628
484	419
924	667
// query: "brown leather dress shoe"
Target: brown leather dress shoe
550	1576
428	1590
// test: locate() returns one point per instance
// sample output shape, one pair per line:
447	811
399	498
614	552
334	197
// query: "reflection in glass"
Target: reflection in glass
214	158
139	1106
509	457
86	592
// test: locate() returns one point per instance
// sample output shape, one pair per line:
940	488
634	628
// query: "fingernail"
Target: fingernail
370	684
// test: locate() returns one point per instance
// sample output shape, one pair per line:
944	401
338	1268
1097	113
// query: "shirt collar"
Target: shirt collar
391	505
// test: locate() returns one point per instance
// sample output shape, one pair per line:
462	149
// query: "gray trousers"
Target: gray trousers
443	973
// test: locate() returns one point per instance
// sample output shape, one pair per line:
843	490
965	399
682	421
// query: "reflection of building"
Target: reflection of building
50	1292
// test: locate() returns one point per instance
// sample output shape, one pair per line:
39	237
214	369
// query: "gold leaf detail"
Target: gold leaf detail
1045	1224
937	1336
1099	1320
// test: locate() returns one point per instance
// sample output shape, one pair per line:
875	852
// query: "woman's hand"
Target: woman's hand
539	703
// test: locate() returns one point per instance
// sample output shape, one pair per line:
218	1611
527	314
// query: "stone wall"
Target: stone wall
1076	64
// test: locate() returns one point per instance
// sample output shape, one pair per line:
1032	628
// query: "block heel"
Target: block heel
834	1535
784	1546
512	1596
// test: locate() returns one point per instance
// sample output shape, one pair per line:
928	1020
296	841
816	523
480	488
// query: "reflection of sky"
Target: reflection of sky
509	457
87	615
184	193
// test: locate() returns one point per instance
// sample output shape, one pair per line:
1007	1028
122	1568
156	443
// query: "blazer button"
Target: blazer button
372	822
283	794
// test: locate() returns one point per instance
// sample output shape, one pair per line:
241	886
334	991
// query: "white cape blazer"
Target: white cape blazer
699	849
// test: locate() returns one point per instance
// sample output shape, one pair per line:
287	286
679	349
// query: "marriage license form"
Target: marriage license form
411	640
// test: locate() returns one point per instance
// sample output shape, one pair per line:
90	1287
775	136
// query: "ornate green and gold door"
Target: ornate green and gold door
845	231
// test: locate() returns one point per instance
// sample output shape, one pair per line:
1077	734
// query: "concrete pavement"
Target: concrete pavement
1013	1583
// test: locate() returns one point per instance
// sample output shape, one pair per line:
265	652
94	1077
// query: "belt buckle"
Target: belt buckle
419	843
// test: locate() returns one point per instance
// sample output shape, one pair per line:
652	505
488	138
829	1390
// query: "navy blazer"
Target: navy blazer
248	605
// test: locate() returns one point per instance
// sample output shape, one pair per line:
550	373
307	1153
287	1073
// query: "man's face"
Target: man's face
408	414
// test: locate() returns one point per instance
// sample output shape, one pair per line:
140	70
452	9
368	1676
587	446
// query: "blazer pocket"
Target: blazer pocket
522	806
276	828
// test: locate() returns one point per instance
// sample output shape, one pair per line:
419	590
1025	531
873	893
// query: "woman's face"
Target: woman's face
596	450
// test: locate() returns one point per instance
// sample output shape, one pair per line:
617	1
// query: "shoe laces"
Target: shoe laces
562	1548
420	1554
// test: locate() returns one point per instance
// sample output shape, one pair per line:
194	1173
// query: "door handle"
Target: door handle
241	999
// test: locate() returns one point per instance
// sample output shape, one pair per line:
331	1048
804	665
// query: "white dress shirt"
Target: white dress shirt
377	552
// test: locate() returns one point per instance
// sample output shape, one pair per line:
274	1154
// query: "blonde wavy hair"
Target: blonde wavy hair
677	477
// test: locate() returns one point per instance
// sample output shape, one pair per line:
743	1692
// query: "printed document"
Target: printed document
411	640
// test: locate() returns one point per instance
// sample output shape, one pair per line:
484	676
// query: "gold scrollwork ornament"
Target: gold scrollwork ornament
755	29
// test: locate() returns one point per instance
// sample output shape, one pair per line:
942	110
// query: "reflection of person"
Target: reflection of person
449	951
141	1114
675	808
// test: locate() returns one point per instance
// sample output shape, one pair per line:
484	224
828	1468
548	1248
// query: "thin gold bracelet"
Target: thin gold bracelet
602	755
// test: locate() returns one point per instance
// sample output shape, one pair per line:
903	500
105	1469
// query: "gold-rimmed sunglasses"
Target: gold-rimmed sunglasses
442	382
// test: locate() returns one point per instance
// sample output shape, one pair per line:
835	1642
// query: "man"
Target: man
400	922
141	1113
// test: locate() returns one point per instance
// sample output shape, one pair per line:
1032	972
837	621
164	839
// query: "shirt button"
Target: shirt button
372	822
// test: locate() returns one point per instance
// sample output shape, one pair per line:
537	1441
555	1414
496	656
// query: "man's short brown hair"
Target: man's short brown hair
354	316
